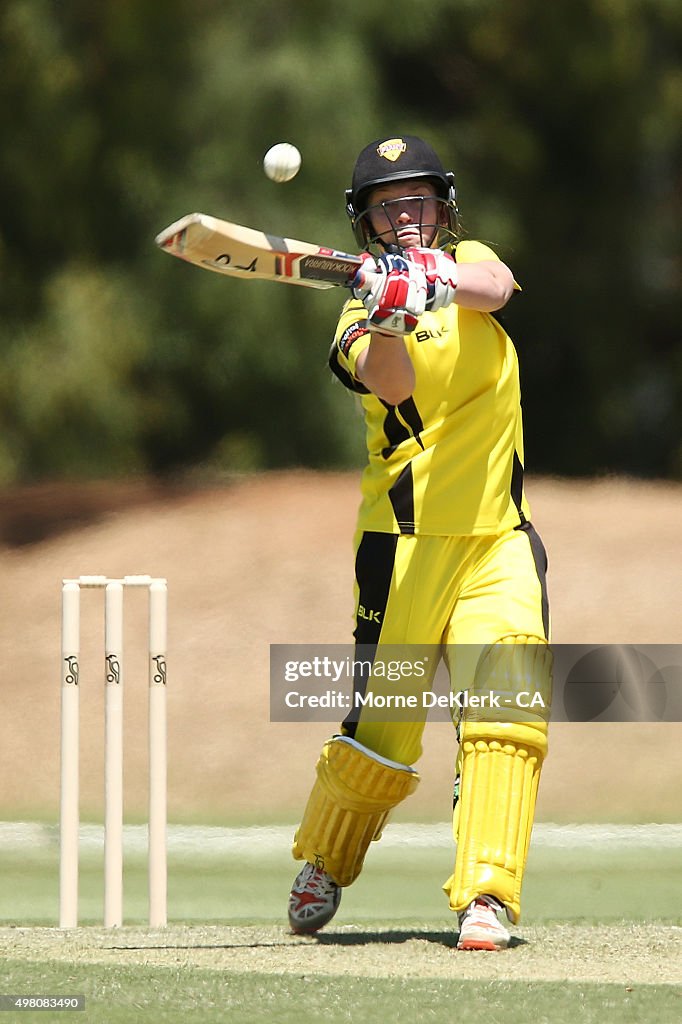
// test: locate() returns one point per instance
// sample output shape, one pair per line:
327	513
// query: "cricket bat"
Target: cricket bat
242	252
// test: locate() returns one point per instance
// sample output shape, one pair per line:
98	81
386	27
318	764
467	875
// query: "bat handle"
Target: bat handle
369	278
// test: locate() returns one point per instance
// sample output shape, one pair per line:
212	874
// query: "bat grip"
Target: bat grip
368	279
369	275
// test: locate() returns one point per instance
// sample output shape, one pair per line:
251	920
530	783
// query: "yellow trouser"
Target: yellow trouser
461	592
458	594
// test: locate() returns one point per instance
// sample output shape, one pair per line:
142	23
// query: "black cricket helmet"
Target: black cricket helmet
388	160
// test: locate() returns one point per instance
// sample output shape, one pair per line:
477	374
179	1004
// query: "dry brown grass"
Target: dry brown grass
269	560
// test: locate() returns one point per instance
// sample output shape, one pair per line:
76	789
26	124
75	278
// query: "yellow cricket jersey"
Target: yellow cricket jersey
449	460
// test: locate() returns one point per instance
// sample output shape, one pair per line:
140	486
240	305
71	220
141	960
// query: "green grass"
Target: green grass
397	887
117	995
598	885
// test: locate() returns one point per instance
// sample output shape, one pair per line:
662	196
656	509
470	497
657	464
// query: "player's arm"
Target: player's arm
386	368
485	286
476	280
394	292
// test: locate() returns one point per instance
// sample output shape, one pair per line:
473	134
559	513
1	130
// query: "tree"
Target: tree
563	128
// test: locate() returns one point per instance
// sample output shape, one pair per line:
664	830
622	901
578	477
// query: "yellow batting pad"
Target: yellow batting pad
519	670
500	765
350	801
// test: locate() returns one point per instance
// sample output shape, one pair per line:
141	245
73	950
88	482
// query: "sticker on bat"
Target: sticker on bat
225	260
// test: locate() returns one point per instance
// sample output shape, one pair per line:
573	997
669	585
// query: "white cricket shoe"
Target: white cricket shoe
313	900
480	927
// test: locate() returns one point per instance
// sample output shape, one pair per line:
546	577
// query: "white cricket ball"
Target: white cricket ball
281	162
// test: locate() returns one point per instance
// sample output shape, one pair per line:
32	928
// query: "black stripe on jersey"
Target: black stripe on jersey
401	496
517	486
346	378
374	564
410	413
399	428
540	560
396	432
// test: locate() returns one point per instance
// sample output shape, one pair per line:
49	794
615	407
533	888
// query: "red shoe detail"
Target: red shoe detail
480	927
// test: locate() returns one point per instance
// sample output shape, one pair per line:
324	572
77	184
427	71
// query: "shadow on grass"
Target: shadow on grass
392	936
354	938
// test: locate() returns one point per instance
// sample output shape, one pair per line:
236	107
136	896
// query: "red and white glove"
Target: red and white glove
441	275
393	290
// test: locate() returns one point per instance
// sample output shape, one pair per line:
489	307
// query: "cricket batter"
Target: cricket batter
445	551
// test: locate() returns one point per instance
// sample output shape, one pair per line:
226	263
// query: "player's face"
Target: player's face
404	213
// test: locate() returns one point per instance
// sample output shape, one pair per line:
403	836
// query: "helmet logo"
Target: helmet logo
391	149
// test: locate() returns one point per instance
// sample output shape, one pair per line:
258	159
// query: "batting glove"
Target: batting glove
393	290
441	275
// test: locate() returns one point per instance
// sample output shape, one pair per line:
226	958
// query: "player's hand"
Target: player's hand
441	275
361	285
393	290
